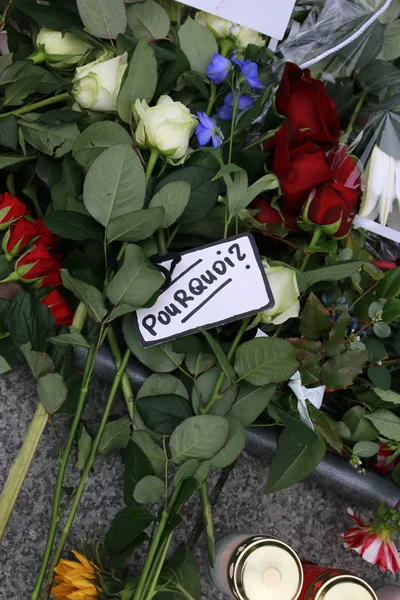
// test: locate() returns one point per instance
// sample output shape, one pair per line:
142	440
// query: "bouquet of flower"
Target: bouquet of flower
130	136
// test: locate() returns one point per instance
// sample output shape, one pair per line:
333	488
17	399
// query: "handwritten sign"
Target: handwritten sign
266	16
211	285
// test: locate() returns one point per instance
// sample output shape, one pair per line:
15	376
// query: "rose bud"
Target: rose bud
304	101
245	36
285	290
166	127
59	49
37	265
11	209
221	28
17	238
97	84
270	216
44	236
56	303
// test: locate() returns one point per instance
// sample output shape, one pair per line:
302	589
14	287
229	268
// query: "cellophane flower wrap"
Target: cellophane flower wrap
156	129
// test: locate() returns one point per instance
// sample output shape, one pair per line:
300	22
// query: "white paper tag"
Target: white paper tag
374	227
211	285
266	16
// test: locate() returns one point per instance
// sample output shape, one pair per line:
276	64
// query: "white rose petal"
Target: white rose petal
54	44
97	84
285	290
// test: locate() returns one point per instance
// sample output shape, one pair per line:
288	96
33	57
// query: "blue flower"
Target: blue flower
249	72
218	69
226	111
207	129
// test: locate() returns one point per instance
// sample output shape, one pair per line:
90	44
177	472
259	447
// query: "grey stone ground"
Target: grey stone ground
306	516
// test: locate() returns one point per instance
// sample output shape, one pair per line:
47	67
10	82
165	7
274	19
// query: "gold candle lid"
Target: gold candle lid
346	587
268	569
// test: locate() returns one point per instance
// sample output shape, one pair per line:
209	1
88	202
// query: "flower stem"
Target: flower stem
353	119
161	559
213	96
79	316
155	544
60	476
314	240
29	107
21	466
215	394
154	154
233	125
161	243
125	382
268	136
89	463
208	521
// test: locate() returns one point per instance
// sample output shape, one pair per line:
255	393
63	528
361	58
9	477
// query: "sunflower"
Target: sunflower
75	580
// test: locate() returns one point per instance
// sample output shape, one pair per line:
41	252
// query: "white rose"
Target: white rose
58	48
245	36
221	28
285	290
97	84
168	127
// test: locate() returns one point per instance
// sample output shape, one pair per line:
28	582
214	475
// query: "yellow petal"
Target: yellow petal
84	561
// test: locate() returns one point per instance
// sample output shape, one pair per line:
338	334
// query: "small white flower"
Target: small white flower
381	198
245	36
313	395
60	49
220	27
97	84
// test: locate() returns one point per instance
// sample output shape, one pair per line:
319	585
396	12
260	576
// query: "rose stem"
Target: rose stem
125	382
353	119
314	240
29	107
89	464
21	465
160	563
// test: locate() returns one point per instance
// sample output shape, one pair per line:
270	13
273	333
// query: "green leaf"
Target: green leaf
52	392
141	79
163	413
220	354
333	273
84	446
203	390
173	198
391	42
391	310
199	437
381	329
161	359
365	449
381	377
149	490
293	461
88	294
202	472
389	286
28	320
236	192
116	436
103	18
39	363
388	396
4	366
172	69
328	428
376	349
340	371
114	184
70	339
136	281
314	320
153	452
186	470
264	184
73	225
199	362
126	527
148	20
135	226
233	447
119	311
335	344
53	140
9	159
55	17
386	423
266	360
96	138
162	384
181	573
204	191
198	43
9	132
251	402
137	466
360	428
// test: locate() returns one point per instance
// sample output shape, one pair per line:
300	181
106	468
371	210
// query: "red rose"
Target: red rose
44	236
381	457
37	264
18	237
334	201
11	209
270	216
304	101
56	304
300	166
